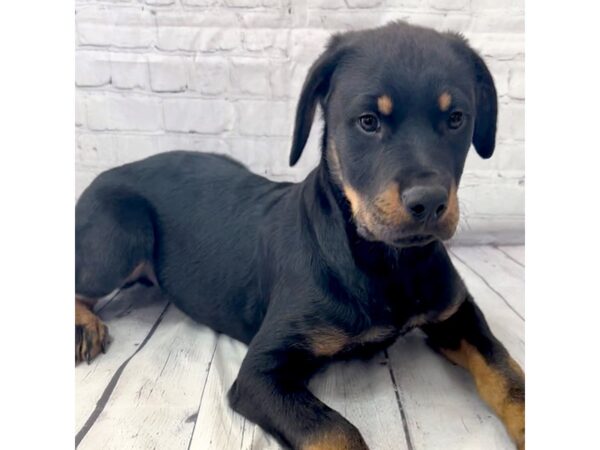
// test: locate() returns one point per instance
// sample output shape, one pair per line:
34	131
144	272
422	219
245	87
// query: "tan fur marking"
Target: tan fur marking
449	221
95	332
353	198
493	386
330	341
444	101
449	312
389	204
334	162
143	269
385	105
416	321
337	440
374	334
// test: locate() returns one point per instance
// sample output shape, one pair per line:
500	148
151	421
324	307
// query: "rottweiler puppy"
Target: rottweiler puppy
339	264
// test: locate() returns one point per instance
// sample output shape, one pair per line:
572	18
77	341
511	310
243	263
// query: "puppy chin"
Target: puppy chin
402	239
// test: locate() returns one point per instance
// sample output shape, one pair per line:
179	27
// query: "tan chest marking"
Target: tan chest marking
425	318
330	341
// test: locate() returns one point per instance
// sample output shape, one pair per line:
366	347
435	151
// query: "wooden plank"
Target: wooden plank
440	401
129	316
505	324
218	426
500	272
155	402
516	252
363	392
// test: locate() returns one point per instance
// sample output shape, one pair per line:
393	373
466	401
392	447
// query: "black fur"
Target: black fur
275	264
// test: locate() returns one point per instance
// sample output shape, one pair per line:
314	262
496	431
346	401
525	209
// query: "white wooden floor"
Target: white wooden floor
163	381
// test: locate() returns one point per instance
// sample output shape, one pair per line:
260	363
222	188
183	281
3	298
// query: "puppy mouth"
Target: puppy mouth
407	240
415	240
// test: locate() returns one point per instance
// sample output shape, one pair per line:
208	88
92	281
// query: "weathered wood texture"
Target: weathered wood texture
163	382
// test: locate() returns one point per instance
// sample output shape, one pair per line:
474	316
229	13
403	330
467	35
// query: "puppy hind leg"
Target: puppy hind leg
91	334
114	244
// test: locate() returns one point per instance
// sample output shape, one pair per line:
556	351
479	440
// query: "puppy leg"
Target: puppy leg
271	391
114	243
91	335
466	340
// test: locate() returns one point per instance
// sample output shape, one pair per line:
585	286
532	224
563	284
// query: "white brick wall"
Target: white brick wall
224	75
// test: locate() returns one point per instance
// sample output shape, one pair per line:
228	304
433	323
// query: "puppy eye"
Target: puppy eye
369	123
455	120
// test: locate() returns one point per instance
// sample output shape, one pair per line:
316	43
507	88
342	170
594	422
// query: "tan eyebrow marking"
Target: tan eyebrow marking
444	101
385	105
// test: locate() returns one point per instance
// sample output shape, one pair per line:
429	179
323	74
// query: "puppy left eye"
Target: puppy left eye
369	123
455	120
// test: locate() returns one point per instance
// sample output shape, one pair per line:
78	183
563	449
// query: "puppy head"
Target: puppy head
402	105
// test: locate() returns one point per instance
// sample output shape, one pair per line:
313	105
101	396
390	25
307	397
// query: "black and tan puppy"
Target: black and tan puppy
341	263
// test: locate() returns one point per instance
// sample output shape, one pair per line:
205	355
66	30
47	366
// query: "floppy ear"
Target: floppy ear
315	88
484	136
486	114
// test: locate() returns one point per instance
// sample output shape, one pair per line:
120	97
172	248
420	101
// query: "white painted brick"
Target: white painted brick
516	84
251	3
508	157
97	150
265	155
500	72
127	27
267	19
198	18
266	40
363	3
199	39
514	6
168	73
505	47
449	5
327	4
210	75
129	71
264	118
307	45
250	76
100	150
117	112
511	120
159	2
498	23
199	2
79	110
511	156
198	115
92	68
280	78
404	3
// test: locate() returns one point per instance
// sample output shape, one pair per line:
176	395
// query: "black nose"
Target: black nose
425	202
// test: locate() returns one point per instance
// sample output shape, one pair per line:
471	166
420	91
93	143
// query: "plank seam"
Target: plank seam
202	393
110	387
409	443
508	256
488	285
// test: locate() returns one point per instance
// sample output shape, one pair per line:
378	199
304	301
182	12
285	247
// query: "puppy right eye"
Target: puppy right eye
369	123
